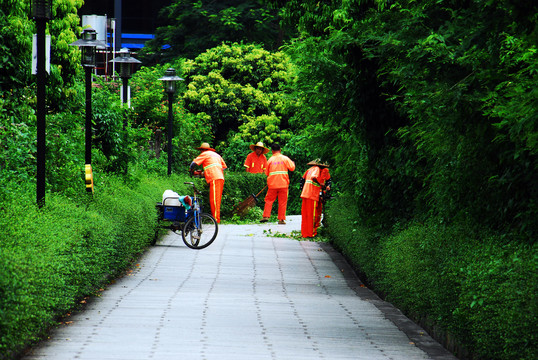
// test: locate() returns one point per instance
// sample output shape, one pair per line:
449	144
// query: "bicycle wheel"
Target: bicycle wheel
202	235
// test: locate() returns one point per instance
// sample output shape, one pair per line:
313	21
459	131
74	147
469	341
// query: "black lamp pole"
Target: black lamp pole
41	12
169	80
88	124
170	132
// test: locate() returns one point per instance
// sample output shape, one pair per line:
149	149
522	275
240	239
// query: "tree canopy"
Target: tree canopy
189	27
243	90
438	98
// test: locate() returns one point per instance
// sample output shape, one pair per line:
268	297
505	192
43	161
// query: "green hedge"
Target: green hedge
51	258
476	291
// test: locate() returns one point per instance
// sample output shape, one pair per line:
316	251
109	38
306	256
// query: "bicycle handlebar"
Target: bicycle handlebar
191	183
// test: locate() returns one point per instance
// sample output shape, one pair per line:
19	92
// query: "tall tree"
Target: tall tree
189	27
17	85
242	90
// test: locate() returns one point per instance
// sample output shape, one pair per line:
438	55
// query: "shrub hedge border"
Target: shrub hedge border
474	291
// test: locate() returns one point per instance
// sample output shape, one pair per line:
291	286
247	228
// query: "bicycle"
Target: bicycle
198	229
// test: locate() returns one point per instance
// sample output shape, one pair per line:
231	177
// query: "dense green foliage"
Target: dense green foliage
472	290
17	85
242	90
437	97
149	118
190	27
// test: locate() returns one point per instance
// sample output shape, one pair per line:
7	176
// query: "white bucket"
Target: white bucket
171	198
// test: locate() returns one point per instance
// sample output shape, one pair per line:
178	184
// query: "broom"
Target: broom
243	207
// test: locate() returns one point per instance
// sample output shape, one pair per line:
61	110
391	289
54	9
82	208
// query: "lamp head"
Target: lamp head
125	62
169	80
88	44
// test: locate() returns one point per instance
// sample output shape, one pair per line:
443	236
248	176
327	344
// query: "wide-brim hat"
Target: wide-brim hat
205	146
317	162
260	145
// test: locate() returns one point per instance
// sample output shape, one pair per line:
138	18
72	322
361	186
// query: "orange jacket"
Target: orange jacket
213	165
277	171
255	164
314	179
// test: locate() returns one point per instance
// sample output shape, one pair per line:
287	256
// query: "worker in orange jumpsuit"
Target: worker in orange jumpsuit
315	180
256	162
324	195
213	166
278	182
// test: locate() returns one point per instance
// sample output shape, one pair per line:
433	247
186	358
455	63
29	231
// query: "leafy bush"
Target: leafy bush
237	187
476	291
65	153
357	242
51	258
241	87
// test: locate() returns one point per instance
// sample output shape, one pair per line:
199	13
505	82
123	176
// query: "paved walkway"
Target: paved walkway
247	296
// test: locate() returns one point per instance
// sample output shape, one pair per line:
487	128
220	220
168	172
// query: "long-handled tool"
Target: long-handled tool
243	207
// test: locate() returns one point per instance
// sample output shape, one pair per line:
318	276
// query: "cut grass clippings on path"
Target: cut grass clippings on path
295	234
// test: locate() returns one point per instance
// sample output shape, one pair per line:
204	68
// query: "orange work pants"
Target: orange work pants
317	218
270	198
309	218
215	195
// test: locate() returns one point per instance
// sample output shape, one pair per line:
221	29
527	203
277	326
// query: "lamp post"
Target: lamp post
87	44
169	79
41	12
126	63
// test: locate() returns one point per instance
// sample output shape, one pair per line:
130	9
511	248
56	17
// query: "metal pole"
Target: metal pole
125	100
170	98
119	20
41	121
88	70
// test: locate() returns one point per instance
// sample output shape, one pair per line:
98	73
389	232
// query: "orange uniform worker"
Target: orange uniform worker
277	183
256	162
326	177
315	180
213	165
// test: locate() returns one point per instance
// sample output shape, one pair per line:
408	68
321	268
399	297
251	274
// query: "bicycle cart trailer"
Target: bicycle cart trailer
197	229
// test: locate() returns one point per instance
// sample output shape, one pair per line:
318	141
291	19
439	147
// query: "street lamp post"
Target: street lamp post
126	63
41	12
169	79
88	44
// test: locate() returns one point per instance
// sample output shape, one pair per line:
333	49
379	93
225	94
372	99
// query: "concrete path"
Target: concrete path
247	296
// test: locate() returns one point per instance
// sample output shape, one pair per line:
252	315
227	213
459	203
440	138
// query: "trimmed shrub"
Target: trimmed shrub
51	258
472	290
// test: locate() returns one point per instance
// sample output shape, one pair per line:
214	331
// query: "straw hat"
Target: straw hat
205	146
317	162
260	145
